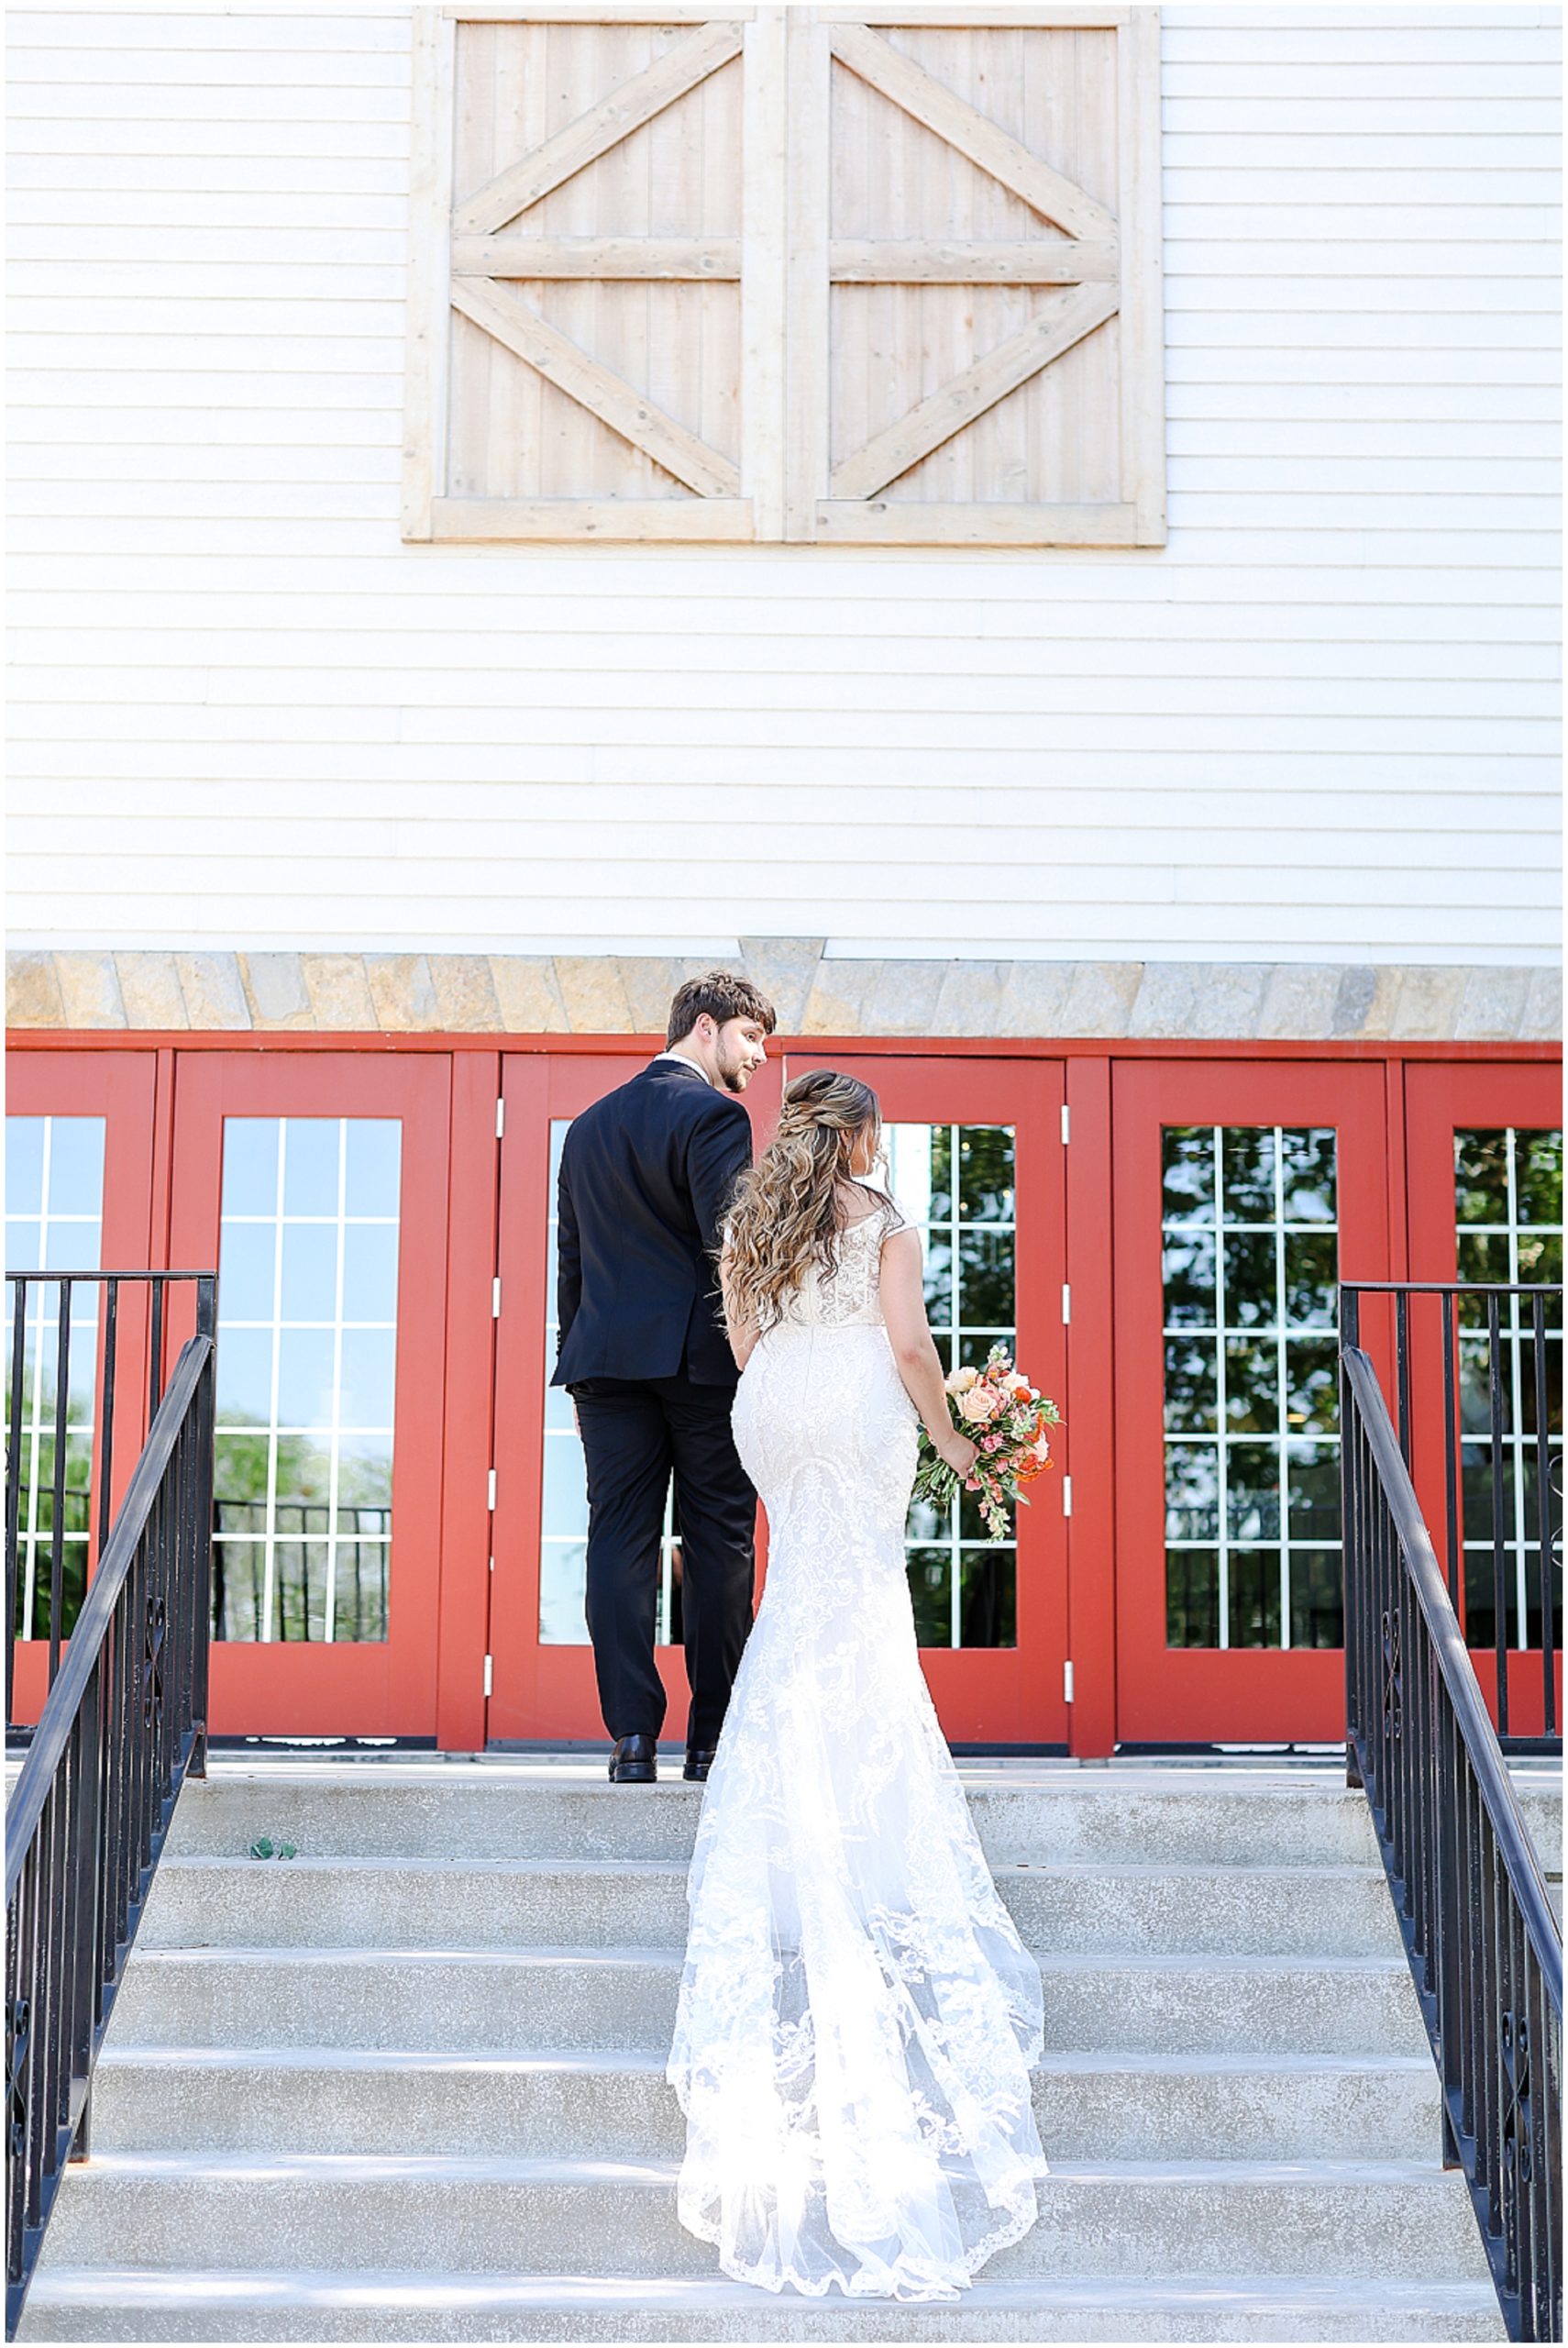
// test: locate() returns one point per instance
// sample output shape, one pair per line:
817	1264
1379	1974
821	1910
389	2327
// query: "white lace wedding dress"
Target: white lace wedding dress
857	2016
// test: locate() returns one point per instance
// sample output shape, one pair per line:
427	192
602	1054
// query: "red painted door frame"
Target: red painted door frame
373	1688
1206	1694
120	1086
1442	1098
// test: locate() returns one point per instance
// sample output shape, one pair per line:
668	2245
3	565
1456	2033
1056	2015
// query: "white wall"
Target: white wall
1319	724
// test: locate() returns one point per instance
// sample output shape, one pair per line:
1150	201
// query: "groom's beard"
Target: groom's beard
734	1075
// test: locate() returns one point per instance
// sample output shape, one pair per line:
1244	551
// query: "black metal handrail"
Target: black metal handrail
1484	1946
1480	1443
59	1430
123	1725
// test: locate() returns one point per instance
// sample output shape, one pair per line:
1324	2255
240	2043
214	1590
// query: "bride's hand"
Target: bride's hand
958	1450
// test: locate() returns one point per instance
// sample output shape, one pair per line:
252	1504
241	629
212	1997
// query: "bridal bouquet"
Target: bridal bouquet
999	1410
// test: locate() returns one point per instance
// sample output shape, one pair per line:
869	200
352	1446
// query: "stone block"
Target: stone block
465	993
833	1007
786	970
1355	997
150	988
1428	1004
1201	1000
33	997
527	998
650	982
90	989
1035	999
903	999
1299	1000
970	1000
339	994
1101	996
214	995
1383	1005
402	991
275	985
594	994
1542	1017
1492	1004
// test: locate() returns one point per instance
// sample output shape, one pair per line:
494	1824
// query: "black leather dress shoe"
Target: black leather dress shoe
699	1761
634	1762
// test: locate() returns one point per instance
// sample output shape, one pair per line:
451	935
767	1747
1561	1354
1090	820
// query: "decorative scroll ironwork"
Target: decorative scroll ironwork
1485	1949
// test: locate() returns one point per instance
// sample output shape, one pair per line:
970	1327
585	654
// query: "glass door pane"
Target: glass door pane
318	1183
1242	1192
54	1206
307	1348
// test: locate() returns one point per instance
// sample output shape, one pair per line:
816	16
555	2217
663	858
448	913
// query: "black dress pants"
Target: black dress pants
634	1432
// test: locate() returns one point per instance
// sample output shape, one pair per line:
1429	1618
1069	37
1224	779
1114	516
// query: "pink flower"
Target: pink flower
991	1442
978	1404
971	1483
1043	1447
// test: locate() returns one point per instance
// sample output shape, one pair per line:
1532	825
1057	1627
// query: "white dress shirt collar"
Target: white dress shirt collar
683	1059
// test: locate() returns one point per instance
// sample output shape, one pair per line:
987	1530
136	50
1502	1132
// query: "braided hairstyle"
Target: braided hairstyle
787	1214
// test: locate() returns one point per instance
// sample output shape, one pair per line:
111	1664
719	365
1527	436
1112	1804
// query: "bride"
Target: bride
857	2017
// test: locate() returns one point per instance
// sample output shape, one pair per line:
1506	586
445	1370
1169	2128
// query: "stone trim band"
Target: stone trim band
617	994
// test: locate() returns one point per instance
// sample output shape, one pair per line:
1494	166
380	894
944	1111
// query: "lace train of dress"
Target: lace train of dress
857	2016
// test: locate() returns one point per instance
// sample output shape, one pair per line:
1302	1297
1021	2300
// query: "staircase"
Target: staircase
409	2084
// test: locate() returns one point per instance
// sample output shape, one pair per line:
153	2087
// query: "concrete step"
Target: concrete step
199	2305
532	2000
492	1810
1406	2221
1066	1907
1118	2107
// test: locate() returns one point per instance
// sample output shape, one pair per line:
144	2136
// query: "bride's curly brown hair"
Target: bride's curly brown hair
787	1214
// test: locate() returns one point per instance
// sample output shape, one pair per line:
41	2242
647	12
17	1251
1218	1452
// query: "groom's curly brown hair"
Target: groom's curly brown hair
722	995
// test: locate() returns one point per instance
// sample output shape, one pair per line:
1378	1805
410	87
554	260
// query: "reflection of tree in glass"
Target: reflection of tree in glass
1252	1386
930	1594
1187	1273
986	1174
1309	1160
1247	1165
1481	1177
986	1295
1188	1152
1538	1178
1191	1387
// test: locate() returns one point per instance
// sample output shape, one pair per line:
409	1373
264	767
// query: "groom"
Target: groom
645	1180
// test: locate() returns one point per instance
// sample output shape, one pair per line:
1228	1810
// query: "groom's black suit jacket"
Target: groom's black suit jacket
646	1180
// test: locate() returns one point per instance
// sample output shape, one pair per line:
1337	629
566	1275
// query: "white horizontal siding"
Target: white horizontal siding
1319	724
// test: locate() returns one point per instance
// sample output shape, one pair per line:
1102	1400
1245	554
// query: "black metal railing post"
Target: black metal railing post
1485	1949
122	1724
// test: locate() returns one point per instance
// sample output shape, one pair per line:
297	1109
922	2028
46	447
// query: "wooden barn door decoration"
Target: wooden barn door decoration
975	301
597	274
878	276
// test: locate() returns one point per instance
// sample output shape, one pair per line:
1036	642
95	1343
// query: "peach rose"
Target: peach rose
977	1405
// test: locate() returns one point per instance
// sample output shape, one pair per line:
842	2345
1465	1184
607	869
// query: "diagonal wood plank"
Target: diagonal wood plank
910	86
625	109
1064	321
597	388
